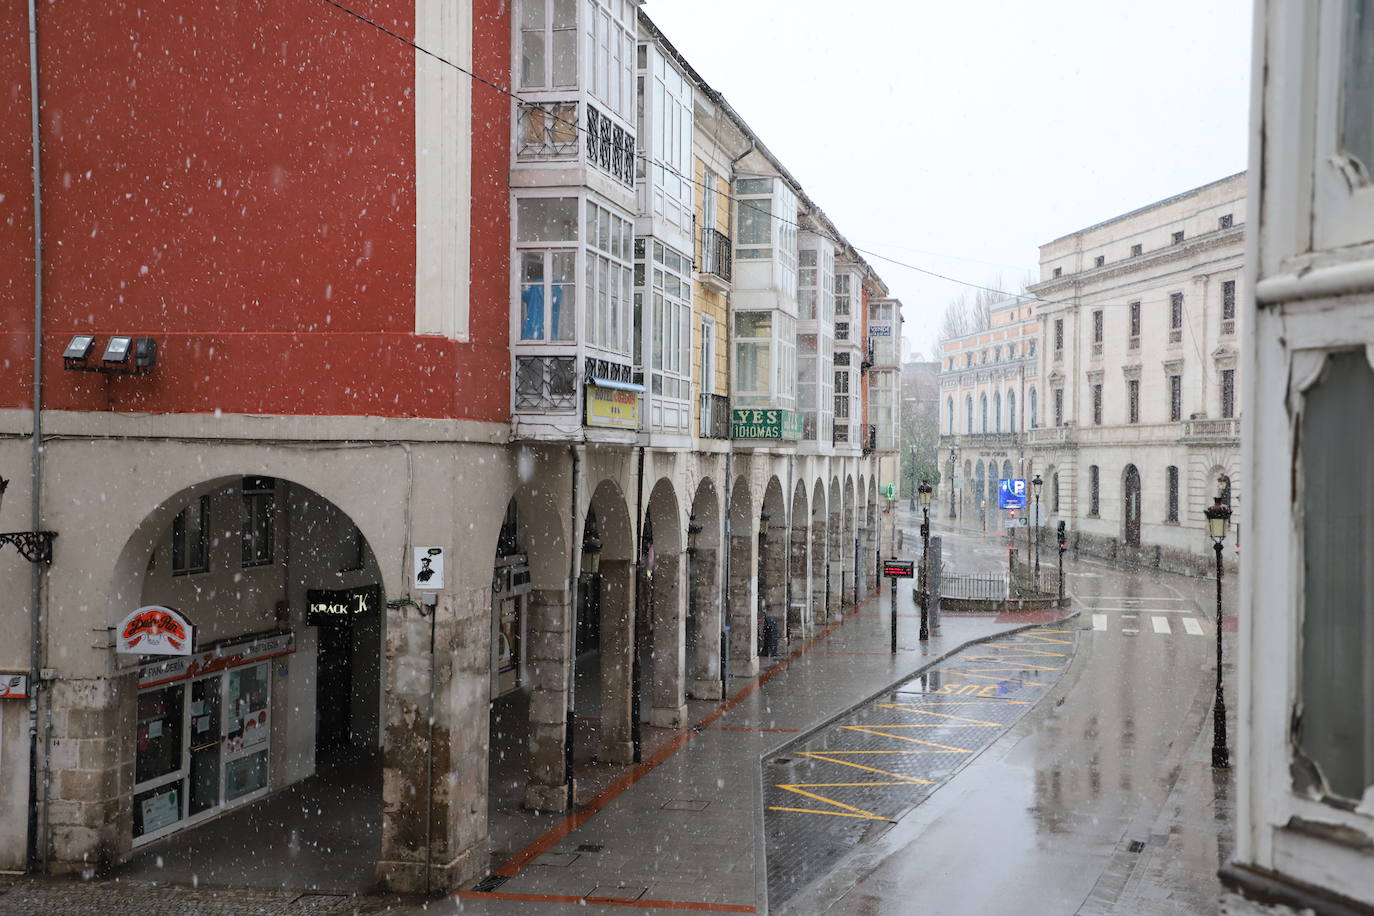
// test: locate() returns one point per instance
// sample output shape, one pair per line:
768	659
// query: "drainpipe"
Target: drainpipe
35	856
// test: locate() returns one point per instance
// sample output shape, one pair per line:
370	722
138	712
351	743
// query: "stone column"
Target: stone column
548	652
798	610
744	658
669	621
90	817
847	568
835	567
434	785
617	648
820	612
776	574
703	650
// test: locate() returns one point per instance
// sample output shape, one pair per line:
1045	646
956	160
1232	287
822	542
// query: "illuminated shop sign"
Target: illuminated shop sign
613	408
217	659
336	608
154	630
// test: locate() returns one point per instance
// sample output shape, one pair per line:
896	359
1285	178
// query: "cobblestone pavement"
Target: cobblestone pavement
855	778
61	897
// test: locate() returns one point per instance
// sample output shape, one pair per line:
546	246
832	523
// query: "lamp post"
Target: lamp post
1218	520
953	467
925	491
1036	484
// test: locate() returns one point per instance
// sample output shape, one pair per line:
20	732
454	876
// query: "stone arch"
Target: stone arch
773	540
608	535
834	554
704	625
798	620
661	631
741	602
819	524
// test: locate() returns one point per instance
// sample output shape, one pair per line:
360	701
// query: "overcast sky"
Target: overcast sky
960	136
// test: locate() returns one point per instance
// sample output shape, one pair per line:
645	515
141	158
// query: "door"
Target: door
247	727
206	744
334	686
1131	494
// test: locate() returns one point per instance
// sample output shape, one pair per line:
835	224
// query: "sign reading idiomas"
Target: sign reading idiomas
154	630
765	423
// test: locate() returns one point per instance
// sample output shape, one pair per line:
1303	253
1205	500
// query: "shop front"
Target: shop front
204	733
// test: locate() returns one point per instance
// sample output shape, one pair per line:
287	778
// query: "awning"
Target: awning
619	386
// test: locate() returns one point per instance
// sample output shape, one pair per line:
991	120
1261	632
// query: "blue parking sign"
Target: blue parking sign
1011	493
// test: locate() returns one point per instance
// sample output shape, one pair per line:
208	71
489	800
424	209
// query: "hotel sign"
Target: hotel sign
612	408
765	423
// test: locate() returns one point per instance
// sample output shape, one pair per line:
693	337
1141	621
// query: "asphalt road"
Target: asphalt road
1101	799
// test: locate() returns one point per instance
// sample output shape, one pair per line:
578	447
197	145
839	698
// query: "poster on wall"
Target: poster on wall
154	630
429	569
13	686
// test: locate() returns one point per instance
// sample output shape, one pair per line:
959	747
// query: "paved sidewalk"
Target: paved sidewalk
684	830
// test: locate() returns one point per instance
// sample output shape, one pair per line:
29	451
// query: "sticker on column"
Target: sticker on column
429	569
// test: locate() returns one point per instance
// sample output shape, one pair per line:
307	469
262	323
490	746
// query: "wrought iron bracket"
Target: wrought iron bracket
34	546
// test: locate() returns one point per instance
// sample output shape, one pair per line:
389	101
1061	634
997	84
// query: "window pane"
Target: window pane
755	222
754	186
1336	730
564	14
1357	118
532	57
532	295
546	219
753	324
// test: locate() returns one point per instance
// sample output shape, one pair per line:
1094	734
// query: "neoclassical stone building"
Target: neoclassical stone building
1141	324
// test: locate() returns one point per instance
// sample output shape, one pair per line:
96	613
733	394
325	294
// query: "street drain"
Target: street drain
490	883
1136	846
782	760
591	847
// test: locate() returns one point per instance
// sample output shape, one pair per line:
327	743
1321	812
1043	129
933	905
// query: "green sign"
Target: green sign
889	490
765	423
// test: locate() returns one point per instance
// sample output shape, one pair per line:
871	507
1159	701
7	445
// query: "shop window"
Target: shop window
190	543
1335	726
259	514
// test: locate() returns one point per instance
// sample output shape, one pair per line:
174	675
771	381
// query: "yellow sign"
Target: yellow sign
612	408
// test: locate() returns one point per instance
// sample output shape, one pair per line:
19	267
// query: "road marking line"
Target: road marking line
822	755
926	712
1161	625
1192	626
1128	631
1132	598
1099	621
883	734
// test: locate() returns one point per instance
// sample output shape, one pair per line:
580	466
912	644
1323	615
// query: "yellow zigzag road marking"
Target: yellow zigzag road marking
822	755
939	701
849	810
874	731
942	715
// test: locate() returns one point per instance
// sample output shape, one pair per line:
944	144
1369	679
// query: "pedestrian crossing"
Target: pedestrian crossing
1154	623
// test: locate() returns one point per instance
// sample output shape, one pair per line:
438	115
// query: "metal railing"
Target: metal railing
716	254
1001	586
545	383
715	416
547	130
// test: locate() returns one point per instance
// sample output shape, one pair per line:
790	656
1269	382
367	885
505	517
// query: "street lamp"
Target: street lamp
1036	484
1218	520
925	491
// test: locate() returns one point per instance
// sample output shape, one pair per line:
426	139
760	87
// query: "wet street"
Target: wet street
1100	799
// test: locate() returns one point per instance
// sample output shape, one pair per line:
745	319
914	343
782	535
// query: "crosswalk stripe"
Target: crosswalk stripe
1099	621
1192	626
1161	625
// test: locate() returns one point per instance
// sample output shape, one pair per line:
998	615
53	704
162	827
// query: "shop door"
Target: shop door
247	722
207	741
334	687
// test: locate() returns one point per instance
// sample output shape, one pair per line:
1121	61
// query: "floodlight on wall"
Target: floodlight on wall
123	355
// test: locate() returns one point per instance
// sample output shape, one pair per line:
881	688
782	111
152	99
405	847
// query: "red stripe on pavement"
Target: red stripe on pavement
699	906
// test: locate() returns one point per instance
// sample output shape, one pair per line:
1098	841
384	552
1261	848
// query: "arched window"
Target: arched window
968	414
949	412
1011	411
1034	416
983	403
997	410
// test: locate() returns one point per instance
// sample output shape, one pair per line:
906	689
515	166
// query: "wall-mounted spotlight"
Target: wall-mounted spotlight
123	355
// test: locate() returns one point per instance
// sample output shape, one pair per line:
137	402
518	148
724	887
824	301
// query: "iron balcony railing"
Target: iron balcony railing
716	254
715	416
